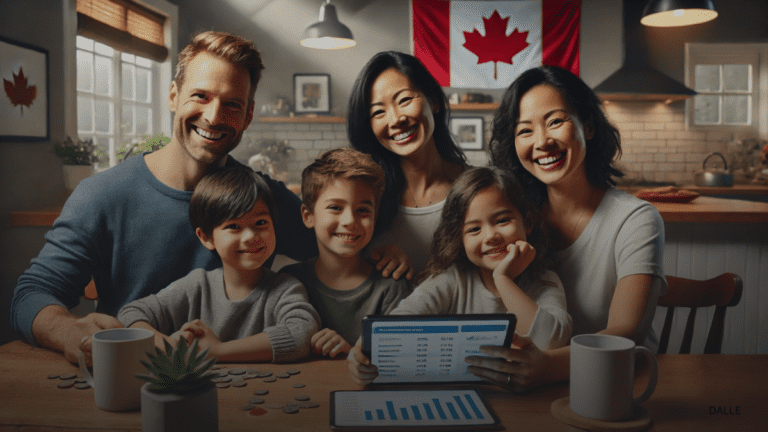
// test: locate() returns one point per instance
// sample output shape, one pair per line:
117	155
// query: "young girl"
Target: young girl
488	257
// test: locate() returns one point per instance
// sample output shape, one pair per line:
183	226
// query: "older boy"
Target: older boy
242	311
341	191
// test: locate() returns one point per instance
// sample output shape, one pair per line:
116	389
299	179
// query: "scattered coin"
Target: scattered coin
298	385
257	411
239	383
53	376
82	386
309	405
274	405
302	398
216	367
270	379
256	400
222	374
250	375
225	379
68	376
293	371
264	374
248	407
66	384
260	392
237	371
291	409
222	385
282	375
251	371
80	380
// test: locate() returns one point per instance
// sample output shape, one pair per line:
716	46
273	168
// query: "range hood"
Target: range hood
636	80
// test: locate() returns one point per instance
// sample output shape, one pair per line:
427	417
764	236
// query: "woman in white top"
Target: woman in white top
551	131
399	115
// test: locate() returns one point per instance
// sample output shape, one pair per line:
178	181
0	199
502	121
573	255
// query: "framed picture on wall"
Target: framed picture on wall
468	132
312	93
24	99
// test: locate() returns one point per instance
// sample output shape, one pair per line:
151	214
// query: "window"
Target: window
727	78
115	97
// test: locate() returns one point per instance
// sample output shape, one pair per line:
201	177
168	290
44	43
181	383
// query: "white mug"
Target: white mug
116	358
602	373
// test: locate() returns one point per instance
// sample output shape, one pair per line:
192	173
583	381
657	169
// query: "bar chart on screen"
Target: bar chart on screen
411	408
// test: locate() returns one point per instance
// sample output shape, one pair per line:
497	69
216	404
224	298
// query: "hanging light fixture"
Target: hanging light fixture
675	13
328	33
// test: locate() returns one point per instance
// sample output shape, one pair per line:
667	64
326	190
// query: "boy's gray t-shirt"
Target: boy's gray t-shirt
343	311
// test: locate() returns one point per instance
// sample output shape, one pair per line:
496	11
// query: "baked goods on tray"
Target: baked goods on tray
669	194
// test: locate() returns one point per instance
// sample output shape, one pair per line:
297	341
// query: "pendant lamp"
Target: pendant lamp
328	33
675	13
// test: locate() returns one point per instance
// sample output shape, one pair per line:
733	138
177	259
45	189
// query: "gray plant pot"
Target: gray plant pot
168	412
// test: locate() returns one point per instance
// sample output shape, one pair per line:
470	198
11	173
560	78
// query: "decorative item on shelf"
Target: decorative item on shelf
468	132
312	93
676	13
145	144
179	394
476	98
281	108
328	33
77	158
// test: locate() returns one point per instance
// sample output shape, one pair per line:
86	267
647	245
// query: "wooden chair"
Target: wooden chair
722	291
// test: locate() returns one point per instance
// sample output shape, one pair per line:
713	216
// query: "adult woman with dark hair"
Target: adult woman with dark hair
551	131
399	115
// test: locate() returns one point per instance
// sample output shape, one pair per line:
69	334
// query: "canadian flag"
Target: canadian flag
487	44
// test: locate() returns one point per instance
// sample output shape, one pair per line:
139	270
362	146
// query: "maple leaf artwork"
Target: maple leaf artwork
496	45
18	91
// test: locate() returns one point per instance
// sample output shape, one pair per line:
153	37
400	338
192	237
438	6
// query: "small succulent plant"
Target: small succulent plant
180	370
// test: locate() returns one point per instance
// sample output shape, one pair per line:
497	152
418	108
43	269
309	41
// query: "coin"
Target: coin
53	376
237	371
225	379
260	392
216	367
82	386
282	375
222	385
250	375
222	374
68	376
291	410
274	405
309	405
80	380
256	400
66	384
297	385
294	371
263	374
248	407
270	379
239	383
302	398
251	371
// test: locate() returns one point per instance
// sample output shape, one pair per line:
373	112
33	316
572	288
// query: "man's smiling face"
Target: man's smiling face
211	108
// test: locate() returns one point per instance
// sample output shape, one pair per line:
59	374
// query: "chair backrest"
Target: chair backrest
722	291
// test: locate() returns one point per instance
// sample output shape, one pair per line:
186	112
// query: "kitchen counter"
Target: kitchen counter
702	209
739	189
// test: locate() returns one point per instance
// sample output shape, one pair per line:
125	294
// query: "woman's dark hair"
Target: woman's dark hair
363	139
226	194
604	145
448	241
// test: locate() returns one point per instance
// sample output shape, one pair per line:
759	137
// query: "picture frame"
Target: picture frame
24	101
312	93
469	132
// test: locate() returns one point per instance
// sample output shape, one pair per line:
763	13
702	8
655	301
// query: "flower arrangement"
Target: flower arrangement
179	370
77	152
149	143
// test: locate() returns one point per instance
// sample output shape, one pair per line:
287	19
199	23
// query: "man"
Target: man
128	227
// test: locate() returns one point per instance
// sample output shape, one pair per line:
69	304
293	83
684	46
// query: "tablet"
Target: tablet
409	349
393	410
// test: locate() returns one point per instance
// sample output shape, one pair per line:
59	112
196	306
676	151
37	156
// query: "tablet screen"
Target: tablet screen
414	349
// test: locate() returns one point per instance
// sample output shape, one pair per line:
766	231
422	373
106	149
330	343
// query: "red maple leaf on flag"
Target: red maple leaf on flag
496	45
18	92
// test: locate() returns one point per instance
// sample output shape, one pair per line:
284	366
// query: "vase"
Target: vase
74	174
170	412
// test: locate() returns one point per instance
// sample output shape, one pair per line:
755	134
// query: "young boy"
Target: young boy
242	311
341	191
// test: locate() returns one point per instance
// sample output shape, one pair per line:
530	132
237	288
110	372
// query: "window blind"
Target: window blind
124	25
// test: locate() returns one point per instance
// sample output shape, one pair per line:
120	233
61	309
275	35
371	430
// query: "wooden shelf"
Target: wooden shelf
491	106
302	119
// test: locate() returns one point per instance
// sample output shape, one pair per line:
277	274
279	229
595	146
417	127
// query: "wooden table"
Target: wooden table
689	388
